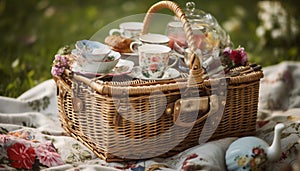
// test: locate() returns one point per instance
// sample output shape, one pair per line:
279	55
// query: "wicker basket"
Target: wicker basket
121	119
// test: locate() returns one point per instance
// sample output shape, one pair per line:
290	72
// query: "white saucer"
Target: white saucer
122	67
170	73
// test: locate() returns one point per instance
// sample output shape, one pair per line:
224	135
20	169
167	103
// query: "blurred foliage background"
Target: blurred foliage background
33	30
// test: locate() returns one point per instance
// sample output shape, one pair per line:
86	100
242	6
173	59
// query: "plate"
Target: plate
122	67
170	73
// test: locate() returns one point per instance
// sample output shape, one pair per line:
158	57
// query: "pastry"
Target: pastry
118	43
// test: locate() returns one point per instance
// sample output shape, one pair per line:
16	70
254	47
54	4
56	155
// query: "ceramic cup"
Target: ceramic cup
154	60
149	38
130	30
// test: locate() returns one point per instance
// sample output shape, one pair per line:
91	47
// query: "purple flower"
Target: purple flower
64	61
227	51
60	63
57	57
54	71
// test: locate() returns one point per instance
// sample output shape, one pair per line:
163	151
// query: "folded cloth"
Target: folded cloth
279	89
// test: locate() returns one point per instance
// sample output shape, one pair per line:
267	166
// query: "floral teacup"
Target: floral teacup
154	60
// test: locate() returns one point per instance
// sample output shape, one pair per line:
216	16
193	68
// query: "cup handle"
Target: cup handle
134	46
113	31
175	62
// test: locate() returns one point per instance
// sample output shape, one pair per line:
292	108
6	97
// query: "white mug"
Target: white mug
154	60
150	38
130	30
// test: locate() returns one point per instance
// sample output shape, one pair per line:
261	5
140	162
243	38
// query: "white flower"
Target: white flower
232	24
294	27
260	31
276	33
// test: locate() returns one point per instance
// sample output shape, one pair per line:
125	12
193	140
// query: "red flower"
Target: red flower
239	56
189	157
21	156
153	67
283	156
258	151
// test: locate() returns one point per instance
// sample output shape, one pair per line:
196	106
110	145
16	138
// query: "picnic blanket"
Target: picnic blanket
31	136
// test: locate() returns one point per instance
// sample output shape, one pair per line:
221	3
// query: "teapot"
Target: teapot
252	153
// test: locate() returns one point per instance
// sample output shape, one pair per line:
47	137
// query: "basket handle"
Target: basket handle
203	103
194	60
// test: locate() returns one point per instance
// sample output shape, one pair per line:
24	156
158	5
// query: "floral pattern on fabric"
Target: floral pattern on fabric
39	105
21	157
23	153
27	135
47	155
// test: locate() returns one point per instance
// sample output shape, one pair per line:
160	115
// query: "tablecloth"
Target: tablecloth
31	136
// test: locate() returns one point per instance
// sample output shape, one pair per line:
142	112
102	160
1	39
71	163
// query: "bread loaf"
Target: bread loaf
118	43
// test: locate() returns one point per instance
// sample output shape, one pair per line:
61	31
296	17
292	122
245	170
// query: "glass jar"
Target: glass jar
209	37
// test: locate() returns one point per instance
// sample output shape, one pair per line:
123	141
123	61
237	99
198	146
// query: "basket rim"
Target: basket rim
136	87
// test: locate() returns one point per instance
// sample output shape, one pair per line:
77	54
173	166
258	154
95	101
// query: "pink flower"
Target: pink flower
153	67
155	59
48	155
21	156
4	139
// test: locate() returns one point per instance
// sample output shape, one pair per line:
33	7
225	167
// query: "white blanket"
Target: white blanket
31	136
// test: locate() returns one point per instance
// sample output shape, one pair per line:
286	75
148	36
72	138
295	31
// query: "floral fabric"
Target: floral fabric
23	153
31	137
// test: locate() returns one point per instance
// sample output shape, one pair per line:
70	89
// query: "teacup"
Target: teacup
130	30
99	66
91	50
149	38
154	60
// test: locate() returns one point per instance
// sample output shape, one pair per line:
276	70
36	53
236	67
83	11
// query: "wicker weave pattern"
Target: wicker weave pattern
99	125
116	117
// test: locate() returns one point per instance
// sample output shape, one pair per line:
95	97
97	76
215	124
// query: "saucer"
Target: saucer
130	54
170	73
122	67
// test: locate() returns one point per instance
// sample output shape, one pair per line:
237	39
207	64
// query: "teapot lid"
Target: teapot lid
195	15
191	12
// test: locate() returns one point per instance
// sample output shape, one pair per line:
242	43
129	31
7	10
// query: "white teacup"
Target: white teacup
150	38
154	60
130	30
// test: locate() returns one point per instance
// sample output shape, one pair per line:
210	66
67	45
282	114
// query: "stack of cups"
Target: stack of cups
95	57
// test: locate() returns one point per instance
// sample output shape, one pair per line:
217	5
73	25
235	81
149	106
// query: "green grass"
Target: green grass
32	31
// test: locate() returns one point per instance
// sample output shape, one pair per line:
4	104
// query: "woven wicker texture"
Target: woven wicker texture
120	119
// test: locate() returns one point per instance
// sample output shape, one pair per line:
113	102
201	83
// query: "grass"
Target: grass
32	31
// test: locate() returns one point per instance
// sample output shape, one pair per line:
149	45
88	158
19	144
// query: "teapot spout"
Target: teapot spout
274	151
